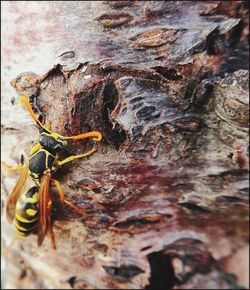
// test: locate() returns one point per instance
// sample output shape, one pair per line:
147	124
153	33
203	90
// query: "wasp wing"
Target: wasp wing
15	194
44	205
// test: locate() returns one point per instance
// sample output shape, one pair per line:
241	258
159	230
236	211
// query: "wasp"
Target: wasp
31	209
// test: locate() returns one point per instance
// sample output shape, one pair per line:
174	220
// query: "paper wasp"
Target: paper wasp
32	209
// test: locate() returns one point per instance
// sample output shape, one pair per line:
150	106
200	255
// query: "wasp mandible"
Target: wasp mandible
32	208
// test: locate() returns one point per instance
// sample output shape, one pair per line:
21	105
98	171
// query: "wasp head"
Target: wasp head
52	142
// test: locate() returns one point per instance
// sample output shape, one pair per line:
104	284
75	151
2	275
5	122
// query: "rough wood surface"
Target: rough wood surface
167	191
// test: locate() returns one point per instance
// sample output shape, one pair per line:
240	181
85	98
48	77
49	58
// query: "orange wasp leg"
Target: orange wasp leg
11	169
97	136
73	157
62	198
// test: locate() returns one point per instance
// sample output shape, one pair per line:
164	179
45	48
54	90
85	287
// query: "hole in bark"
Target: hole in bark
149	118
236	34
124	272
135	222
115	136
136	100
41	118
202	96
137	106
189	90
162	272
146	248
145	112
227	198
168	215
66	127
216	43
170	74
72	281
23	274
244	191
193	207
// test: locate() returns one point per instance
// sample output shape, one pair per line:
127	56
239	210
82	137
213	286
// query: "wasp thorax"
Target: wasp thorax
52	142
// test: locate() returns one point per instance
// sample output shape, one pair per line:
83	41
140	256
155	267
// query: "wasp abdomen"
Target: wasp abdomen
39	162
27	212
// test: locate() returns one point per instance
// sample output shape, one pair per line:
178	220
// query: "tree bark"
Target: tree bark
166	83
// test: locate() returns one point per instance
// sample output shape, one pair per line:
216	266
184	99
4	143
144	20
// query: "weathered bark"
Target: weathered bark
167	191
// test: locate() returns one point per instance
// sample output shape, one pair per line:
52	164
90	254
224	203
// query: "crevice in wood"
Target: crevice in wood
162	272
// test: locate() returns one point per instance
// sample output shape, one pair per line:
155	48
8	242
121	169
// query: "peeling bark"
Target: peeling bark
167	190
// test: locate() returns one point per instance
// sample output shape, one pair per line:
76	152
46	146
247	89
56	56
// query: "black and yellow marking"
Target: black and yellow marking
27	212
35	148
52	141
39	162
42	163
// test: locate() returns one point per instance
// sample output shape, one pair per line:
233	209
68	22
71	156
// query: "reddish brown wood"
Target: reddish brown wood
167	191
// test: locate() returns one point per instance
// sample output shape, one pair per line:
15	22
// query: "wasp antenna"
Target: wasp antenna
24	101
97	136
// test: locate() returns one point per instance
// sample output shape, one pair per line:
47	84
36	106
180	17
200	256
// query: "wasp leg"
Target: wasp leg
97	136
62	197
73	157
11	169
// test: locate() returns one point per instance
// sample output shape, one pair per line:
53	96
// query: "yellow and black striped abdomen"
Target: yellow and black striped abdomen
27	212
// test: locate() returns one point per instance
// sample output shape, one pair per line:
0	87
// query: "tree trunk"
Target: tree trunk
166	83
